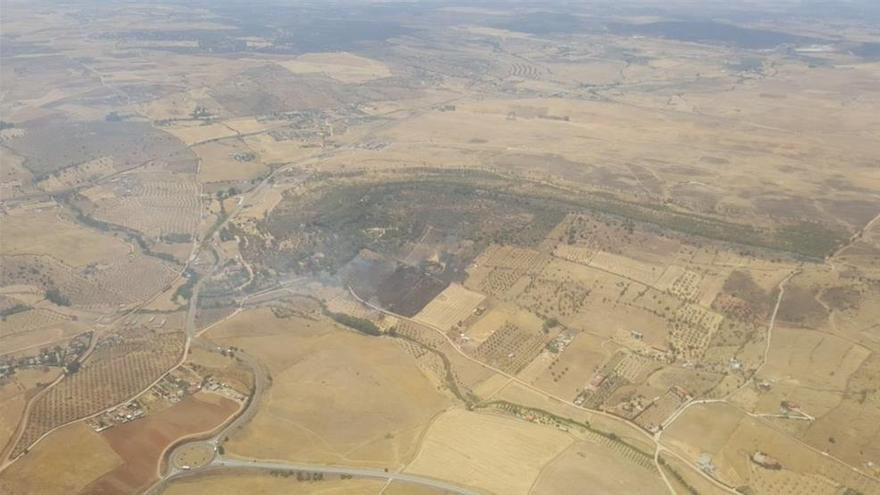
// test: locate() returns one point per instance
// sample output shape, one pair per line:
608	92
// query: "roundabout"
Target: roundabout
193	455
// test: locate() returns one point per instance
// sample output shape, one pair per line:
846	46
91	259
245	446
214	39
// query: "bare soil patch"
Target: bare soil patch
141	443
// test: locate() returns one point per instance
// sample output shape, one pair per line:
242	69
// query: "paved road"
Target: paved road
222	462
261	383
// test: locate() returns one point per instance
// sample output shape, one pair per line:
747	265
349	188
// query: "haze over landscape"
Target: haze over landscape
440	247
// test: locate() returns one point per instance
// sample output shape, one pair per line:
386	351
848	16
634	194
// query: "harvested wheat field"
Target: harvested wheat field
588	466
493	453
264	484
227	160
321	372
45	233
450	307
344	67
75	472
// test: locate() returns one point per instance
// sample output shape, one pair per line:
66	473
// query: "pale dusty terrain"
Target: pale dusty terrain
319	372
498	454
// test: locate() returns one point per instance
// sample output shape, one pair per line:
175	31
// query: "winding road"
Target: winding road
220	463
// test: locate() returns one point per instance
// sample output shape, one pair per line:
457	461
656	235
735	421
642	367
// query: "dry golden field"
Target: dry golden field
319	372
120	368
227	160
494	453
344	67
74	472
451	307
262	484
15	393
588	464
548	248
731	437
46	232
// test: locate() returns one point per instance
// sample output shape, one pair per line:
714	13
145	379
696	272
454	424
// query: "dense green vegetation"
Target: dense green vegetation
176	237
322	230
75	202
185	291
520	410
55	296
72	367
18	308
360	324
550	323
675	474
449	376
332	225
812	239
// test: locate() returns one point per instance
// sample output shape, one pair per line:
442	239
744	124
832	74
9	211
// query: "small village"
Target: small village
173	388
55	357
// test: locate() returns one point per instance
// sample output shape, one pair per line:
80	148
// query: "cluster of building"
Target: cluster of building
171	389
152	322
57	356
175	387
705	463
635	341
598	389
652	415
129	411
561	341
111	340
218	387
